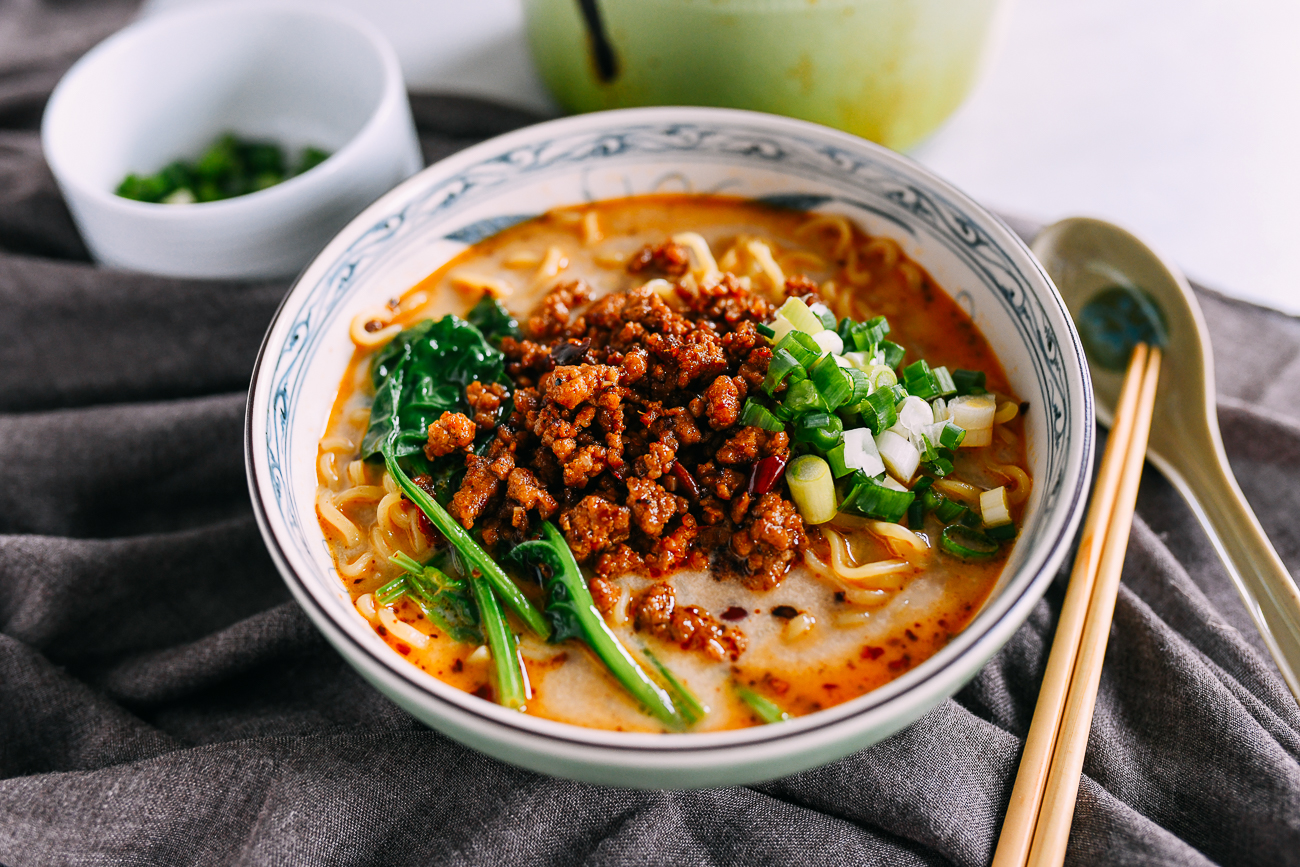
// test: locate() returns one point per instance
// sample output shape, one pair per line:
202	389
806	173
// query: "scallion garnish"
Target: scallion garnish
969	381
879	412
782	365
892	354
800	345
803	397
819	429
832	381
870	498
812	487
755	415
968	544
947	388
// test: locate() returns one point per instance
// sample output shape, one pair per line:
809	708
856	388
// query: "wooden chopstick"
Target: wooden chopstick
1041	809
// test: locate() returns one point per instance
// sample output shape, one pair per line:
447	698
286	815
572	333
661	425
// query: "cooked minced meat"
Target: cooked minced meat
689	627
626	421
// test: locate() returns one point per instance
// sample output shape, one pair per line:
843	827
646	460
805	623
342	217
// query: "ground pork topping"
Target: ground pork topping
689	627
452	432
668	258
625	429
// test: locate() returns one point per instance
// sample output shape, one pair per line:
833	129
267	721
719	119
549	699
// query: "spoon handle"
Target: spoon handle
1261	578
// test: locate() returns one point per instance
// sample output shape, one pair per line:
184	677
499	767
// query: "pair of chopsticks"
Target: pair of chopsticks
1038	819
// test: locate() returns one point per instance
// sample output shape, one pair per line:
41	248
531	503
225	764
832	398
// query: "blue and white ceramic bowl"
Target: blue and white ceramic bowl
431	217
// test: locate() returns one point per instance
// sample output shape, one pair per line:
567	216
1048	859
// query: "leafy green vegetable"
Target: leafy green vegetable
418	376
446	601
421	374
491	318
573	614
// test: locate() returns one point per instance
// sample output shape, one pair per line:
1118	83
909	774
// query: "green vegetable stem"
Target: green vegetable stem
573	614
511	689
418	376
764	708
446	601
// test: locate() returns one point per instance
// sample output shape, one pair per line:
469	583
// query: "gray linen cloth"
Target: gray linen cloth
163	702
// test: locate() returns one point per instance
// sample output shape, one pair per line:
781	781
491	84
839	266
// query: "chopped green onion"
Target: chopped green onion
812	487
882	376
819	429
868	497
972	413
946	386
861	385
804	349
845	331
756	415
763	708
967	544
693	710
803	397
824	315
893	353
800	316
780	327
830	342
835	457
927	449
951	436
940	466
994	507
1002	532
765	330
862	336
920	380
783	364
969	381
916	515
900	456
879	412
949	511
832	381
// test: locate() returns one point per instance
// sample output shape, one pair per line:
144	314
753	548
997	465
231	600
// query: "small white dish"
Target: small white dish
167	87
433	216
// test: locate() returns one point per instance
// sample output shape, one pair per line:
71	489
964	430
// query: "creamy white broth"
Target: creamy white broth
847	649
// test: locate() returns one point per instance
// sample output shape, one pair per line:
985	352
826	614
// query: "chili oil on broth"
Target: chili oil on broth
833	650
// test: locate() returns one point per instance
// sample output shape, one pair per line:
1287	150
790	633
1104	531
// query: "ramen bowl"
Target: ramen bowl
433	216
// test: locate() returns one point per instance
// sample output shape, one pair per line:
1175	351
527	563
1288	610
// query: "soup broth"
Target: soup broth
817	638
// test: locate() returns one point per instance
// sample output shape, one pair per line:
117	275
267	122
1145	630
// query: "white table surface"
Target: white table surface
1179	119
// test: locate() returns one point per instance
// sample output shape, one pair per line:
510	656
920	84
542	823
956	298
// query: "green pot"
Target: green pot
887	70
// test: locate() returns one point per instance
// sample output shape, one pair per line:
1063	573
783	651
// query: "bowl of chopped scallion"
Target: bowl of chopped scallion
228	141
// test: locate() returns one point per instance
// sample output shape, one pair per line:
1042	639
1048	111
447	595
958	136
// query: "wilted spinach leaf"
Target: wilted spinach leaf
494	320
420	375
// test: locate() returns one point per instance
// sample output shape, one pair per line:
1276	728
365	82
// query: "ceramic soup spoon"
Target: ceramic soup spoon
1114	285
